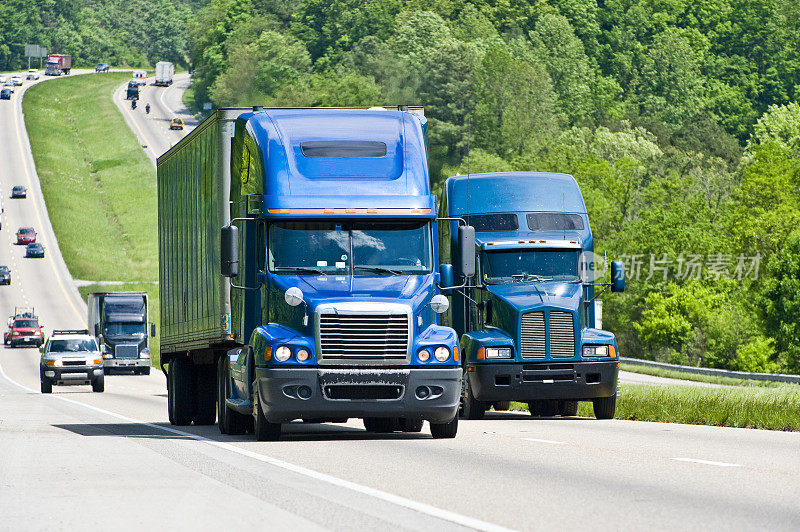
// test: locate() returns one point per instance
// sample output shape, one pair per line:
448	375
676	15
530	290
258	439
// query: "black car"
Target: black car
5	275
34	251
19	191
101	67
5	94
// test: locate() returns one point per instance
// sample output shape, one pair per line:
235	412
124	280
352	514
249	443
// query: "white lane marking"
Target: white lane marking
420	507
706	462
537	440
142	136
162	99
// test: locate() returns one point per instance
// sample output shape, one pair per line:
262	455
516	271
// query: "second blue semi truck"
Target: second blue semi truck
529	323
298	273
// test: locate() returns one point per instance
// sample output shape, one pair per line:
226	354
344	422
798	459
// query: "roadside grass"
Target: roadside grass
774	408
711	379
98	184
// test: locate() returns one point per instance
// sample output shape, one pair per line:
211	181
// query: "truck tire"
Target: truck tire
99	383
230	421
145	371
180	391
568	408
205	403
445	430
548	408
535	408
410	425
381	425
47	385
605	407
470	408
501	405
263	429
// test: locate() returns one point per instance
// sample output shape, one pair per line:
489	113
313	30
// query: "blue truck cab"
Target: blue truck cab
527	322
332	255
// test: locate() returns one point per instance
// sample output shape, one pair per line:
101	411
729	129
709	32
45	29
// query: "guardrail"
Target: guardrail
776	377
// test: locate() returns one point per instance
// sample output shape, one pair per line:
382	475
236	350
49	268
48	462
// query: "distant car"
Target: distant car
5	94
5	275
101	67
71	357
9	85
26	235
24	331
16	80
32	74
34	251
3	79
19	191
176	123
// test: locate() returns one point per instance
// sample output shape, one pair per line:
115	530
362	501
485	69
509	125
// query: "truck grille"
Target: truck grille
532	340
363	337
126	351
533	337
562	335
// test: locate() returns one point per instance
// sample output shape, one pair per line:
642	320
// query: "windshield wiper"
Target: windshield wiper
377	269
304	269
530	277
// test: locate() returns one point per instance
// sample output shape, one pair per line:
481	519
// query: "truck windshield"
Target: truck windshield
514	266
126	329
71	346
363	248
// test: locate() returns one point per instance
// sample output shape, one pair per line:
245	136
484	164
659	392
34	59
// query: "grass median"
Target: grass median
98	184
775	408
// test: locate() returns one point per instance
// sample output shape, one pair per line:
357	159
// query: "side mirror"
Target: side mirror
293	296
617	276
229	251
152	330
466	251
446	278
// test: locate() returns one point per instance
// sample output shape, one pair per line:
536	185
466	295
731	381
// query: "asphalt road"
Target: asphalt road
78	458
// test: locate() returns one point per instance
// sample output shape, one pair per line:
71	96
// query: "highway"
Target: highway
77	459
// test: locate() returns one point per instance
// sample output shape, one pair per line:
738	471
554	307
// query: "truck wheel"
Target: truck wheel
445	430
230	421
501	405
47	385
99	383
145	371
410	425
548	408
205	404
180	391
568	408
381	425
471	408
605	407
263	429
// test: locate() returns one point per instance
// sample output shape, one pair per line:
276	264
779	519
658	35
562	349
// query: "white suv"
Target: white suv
71	357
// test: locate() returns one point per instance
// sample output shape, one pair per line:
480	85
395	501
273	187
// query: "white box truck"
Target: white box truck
164	72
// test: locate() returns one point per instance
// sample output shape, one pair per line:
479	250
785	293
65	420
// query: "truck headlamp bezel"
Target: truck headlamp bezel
498	352
283	353
595	351
442	353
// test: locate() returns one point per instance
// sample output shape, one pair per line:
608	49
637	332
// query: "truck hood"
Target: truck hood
525	297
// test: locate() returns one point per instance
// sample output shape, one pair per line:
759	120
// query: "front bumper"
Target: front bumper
318	393
126	363
543	380
70	374
26	340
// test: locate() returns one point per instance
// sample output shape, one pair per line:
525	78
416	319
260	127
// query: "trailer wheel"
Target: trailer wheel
445	430
605	407
205	403
568	408
501	405
263	429
180	391
470	408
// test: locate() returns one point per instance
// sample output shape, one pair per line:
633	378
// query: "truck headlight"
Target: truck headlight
424	355
283	353
145	353
302	355
441	353
595	350
498	352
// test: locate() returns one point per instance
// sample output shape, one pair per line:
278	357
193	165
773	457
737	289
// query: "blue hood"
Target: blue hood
524	297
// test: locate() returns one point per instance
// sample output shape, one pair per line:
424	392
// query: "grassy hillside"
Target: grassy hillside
99	186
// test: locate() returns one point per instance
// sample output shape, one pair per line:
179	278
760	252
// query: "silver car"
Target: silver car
71	357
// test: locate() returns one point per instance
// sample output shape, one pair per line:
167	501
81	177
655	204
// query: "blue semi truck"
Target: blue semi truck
529	323
298	271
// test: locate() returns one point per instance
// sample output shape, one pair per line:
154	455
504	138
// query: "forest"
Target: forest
679	119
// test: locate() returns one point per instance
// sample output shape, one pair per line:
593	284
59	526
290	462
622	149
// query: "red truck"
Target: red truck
58	64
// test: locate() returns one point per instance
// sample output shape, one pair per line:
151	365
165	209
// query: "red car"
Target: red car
24	331
26	235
